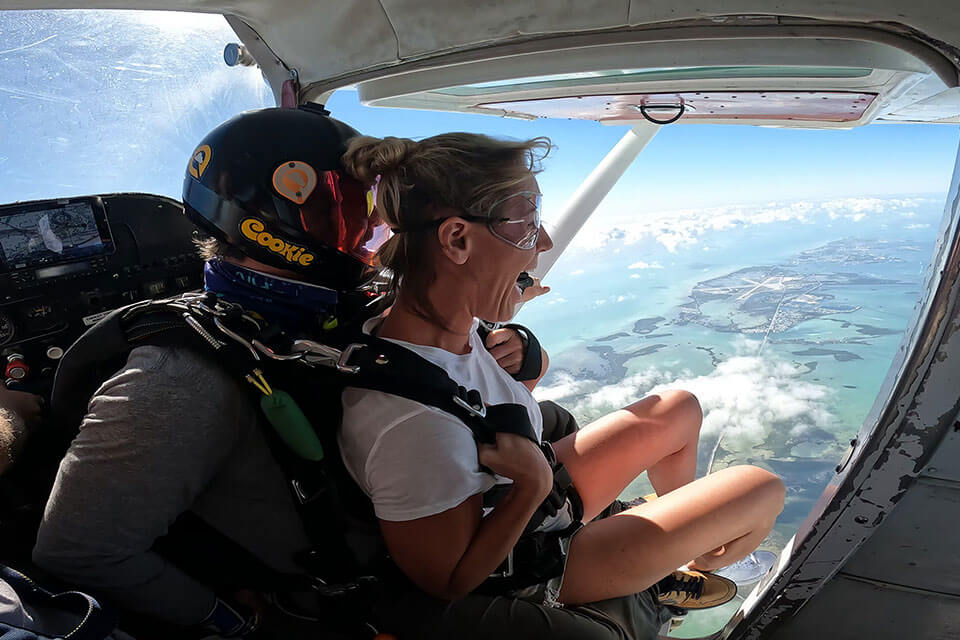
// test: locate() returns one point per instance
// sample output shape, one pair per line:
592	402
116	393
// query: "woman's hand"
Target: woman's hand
535	290
519	459
506	346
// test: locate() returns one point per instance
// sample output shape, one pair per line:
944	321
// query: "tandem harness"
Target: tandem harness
297	386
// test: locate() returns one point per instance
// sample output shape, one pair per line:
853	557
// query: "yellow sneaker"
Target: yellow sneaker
695	590
624	505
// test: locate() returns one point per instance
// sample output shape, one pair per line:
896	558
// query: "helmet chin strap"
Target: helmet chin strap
293	304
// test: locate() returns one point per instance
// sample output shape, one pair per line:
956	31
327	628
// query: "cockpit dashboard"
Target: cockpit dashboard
66	263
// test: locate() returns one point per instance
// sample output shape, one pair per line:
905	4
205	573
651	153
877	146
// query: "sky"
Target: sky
706	165
98	101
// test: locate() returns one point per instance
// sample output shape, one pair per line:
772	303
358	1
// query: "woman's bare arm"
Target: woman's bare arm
450	554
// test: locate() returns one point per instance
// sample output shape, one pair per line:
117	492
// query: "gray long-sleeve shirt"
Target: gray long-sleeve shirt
170	432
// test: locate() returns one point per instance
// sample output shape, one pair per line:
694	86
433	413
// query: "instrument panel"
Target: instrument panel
66	263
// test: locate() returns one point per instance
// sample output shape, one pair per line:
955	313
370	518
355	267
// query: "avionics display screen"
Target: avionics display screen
43	233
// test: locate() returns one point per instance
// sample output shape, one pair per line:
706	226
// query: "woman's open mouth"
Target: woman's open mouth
524	280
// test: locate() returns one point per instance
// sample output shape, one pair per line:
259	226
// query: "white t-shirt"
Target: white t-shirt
415	461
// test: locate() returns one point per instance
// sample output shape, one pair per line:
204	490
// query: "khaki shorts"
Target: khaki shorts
414	615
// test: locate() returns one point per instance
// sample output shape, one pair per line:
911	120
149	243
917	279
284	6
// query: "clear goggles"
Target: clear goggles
514	219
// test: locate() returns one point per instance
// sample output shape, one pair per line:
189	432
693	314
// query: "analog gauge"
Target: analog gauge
6	329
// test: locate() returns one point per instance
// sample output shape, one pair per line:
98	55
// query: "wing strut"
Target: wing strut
594	189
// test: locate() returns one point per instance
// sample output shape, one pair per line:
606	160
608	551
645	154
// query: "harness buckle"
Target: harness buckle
478	410
343	363
304	495
505	569
316	353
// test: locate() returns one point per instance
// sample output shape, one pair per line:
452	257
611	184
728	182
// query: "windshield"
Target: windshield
109	101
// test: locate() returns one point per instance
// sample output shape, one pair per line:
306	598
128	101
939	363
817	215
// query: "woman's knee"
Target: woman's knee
766	489
674	409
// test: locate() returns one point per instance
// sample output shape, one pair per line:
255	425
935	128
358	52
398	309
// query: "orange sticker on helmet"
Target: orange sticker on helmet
200	160
295	181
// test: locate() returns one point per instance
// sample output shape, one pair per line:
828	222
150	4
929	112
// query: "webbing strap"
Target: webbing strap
103	349
390	368
377	365
532	355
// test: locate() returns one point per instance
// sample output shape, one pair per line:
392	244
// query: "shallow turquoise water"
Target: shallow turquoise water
803	391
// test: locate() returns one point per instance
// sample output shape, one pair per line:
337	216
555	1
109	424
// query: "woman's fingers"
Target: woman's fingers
511	365
534	290
515	457
506	347
499	337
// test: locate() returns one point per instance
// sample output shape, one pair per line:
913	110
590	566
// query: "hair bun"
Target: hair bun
368	157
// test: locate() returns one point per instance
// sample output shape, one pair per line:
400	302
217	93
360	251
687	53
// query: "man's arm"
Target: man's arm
154	436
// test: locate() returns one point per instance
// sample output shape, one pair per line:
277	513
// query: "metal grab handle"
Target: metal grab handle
681	109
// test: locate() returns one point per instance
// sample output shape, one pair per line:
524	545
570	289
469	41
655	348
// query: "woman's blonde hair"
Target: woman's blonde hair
417	180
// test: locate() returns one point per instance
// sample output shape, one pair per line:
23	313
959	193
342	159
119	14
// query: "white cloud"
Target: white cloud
578	272
918	226
645	265
683	228
747	396
635	276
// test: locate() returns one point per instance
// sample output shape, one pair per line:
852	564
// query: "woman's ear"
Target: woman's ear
453	235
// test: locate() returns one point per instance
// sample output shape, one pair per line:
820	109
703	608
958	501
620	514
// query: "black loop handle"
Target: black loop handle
681	108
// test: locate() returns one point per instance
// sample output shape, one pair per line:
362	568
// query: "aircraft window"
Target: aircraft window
771	272
108	101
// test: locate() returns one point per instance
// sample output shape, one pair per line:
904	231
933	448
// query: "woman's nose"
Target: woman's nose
544	241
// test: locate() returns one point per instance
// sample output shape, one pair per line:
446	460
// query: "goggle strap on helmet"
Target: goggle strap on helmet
200	198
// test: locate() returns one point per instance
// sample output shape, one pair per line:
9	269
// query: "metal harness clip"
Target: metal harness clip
343	363
505	570
479	410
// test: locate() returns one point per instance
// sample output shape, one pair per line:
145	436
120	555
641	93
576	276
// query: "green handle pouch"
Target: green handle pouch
295	430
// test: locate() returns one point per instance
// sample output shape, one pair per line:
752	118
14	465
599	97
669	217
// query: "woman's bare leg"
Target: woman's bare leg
734	508
658	434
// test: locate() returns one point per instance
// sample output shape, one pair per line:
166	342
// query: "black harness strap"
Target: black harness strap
384	366
368	362
532	363
532	354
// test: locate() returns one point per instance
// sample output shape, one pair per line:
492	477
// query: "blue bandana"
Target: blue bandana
291	304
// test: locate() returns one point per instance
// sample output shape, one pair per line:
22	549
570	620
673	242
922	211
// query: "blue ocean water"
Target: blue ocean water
783	325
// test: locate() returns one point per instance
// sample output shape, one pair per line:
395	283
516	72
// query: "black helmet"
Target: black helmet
270	184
